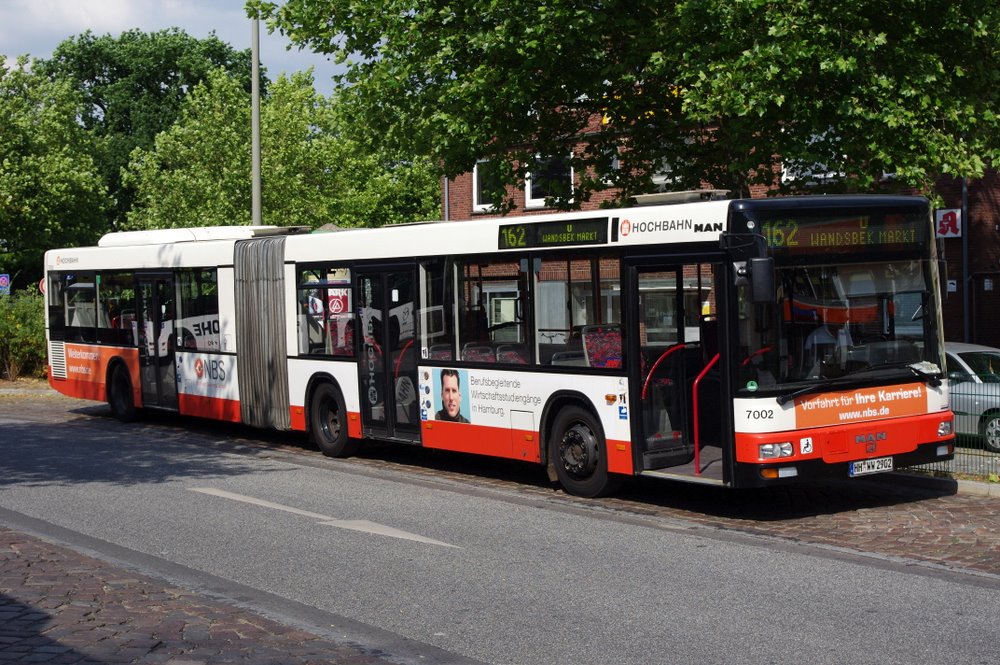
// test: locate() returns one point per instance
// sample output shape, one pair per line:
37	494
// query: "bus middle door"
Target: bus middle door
390	406
155	324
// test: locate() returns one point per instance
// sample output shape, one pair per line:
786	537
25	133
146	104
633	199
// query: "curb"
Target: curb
948	485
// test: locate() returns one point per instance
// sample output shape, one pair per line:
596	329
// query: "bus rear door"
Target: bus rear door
155	327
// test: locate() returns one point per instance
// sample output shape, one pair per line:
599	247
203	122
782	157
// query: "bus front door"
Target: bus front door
388	354
155	328
677	345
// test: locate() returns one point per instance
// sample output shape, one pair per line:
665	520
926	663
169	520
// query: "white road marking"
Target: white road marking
354	525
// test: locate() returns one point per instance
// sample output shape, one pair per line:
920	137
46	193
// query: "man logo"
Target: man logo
870	440
625	227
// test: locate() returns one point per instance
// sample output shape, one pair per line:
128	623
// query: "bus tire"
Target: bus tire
579	453
121	399
328	422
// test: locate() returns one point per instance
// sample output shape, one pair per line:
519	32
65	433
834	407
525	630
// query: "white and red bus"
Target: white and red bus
731	342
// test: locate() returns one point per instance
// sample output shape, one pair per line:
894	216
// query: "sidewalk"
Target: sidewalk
57	606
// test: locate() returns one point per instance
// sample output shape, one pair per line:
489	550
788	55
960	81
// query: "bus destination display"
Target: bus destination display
841	234
554	234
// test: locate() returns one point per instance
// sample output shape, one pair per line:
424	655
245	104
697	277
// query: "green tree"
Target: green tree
724	91
51	192
198	171
22	334
134	85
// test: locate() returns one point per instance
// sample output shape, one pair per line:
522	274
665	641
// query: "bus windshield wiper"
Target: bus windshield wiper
926	371
788	397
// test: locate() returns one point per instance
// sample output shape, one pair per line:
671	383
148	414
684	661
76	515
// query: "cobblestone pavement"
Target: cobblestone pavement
60	607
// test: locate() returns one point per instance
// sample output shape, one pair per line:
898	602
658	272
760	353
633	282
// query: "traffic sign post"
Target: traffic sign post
5	284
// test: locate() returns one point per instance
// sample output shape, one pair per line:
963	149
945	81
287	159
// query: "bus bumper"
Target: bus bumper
766	474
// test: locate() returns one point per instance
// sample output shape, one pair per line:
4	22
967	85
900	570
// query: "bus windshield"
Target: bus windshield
839	320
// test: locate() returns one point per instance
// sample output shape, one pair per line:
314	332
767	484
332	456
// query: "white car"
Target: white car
974	377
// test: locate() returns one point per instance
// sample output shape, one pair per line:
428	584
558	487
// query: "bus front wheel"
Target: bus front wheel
579	453
328	422
120	396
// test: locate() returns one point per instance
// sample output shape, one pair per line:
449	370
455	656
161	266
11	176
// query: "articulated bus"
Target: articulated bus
740	343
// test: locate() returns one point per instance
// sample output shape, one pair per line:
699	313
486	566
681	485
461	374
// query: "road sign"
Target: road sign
5	284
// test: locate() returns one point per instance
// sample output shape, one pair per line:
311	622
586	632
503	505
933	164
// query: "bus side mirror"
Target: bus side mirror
762	280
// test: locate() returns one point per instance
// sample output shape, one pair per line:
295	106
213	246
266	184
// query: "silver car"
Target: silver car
974	376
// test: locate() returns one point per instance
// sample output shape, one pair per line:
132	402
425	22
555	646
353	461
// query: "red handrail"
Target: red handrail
694	403
663	356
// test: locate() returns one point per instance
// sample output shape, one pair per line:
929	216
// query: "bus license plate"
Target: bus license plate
866	466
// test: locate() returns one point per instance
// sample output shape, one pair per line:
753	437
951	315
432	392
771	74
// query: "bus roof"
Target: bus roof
193	234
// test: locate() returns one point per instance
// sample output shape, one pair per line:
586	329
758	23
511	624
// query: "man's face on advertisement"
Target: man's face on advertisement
451	396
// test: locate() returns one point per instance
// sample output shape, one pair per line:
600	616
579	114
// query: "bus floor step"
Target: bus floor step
664	457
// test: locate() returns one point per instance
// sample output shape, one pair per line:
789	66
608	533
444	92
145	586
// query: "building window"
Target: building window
551	178
487	189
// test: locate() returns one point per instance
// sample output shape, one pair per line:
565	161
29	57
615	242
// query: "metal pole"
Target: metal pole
255	121
966	280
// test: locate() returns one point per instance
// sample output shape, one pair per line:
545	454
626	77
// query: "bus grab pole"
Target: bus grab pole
694	402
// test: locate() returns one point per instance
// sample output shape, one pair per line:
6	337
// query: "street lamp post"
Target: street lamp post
255	121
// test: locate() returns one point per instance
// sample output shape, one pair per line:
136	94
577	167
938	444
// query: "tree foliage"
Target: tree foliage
134	85
198	171
22	334
51	191
719	91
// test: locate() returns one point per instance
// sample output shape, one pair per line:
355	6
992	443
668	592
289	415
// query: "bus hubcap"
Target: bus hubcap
578	450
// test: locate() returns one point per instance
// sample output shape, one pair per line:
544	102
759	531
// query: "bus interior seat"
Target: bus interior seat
441	352
511	354
602	345
575	358
482	354
83	317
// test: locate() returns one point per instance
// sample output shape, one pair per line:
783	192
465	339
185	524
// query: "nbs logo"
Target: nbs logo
211	369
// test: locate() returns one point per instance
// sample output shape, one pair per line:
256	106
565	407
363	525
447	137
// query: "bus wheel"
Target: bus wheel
578	451
990	429
120	397
328	422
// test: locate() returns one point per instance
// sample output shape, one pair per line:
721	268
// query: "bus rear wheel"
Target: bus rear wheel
120	396
578	451
328	422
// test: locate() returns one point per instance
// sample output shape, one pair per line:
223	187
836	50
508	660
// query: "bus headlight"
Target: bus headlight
775	450
944	428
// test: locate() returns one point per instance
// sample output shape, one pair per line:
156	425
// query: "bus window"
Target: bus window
578	312
325	311
115	307
54	295
437	317
80	307
491	312
198	316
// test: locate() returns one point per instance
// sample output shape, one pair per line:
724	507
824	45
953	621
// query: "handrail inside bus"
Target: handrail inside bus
694	403
663	356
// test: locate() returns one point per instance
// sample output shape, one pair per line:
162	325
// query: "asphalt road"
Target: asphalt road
485	572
